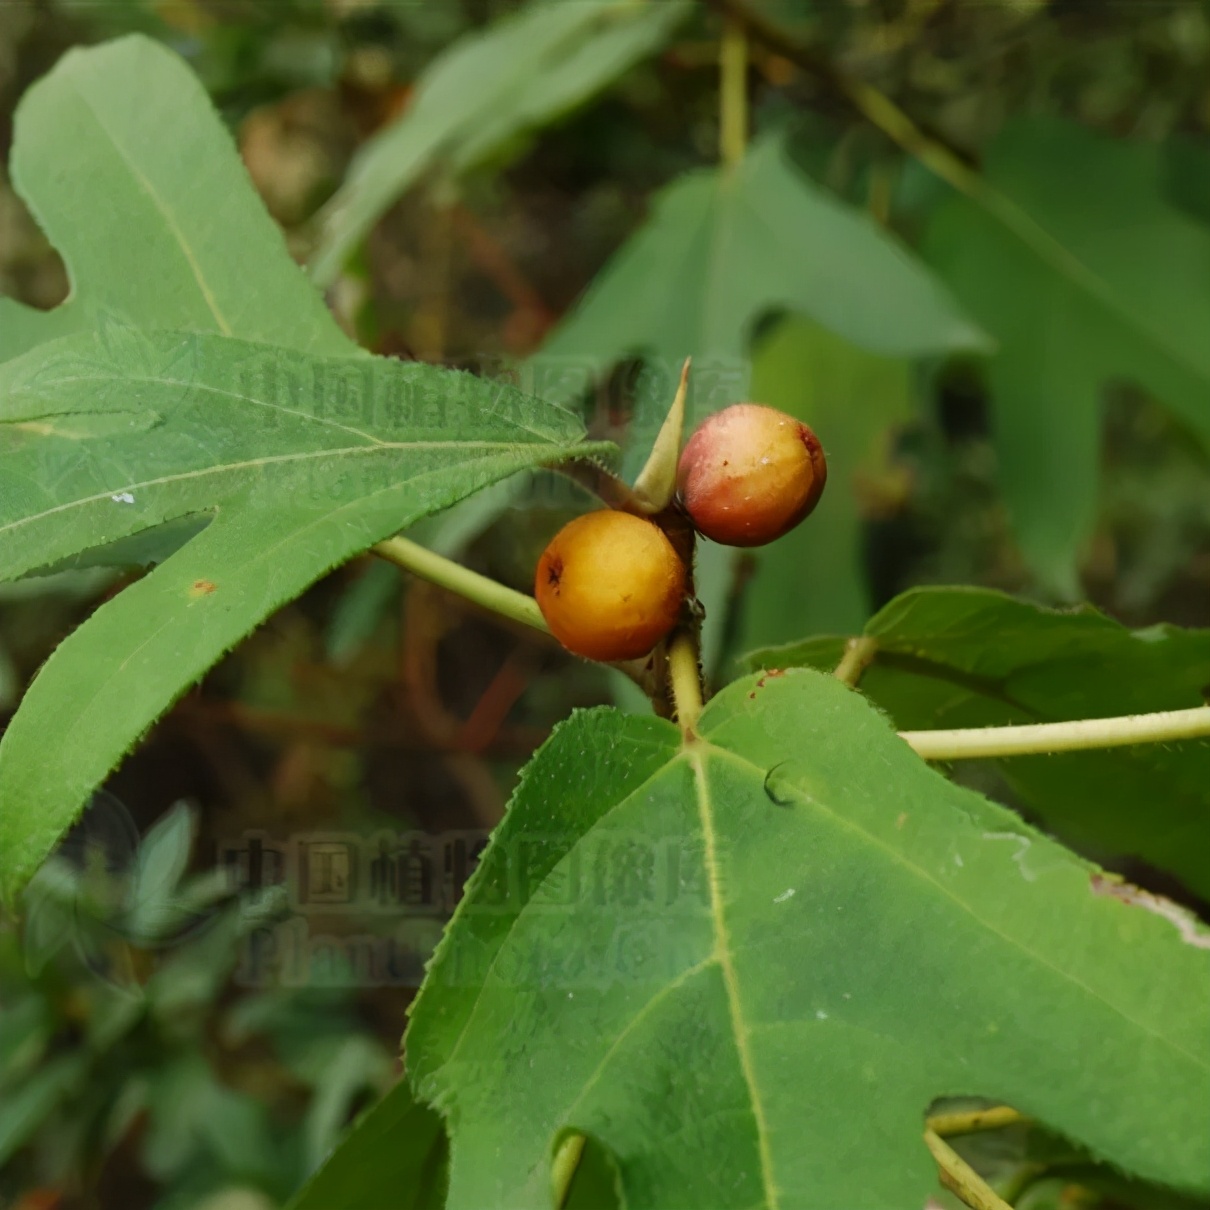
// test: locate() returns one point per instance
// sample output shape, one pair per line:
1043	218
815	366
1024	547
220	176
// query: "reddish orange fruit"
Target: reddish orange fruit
610	585
750	474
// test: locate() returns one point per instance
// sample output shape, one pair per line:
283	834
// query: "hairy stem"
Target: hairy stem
601	482
733	93
685	676
1078	735
470	584
960	1178
858	655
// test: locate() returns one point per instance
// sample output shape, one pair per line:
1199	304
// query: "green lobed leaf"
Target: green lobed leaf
965	657
1109	281
395	1155
483	92
251	467
746	966
300	463
130	173
722	249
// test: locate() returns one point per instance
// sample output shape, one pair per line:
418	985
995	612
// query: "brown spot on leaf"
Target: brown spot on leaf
202	588
767	675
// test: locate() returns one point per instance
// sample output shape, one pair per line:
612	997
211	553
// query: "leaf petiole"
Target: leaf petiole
949	1124
685	676
971	743
445	573
563	1168
733	92
960	1178
858	655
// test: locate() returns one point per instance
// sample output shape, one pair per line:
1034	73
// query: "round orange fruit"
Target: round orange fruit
610	585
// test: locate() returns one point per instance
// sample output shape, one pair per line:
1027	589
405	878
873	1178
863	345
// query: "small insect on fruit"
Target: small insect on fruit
750	474
610	585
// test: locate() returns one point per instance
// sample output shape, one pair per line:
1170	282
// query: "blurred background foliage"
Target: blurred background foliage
1011	379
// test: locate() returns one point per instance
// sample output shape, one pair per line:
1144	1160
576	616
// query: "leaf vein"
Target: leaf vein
898	858
722	949
158	202
248	464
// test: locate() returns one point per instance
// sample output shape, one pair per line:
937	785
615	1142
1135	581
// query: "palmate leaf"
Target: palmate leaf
722	249
130	173
300	463
256	465
964	657
746	966
1113	288
489	89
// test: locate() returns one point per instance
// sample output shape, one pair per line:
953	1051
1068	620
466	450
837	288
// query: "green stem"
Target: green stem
949	1124
733	93
963	744
470	584
1079	735
858	655
960	1178
566	1160
685	675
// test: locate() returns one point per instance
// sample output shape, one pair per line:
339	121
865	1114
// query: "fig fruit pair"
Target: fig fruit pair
611	585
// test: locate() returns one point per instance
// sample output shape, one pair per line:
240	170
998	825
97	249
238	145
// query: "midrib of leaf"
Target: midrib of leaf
170	221
208	388
229	467
722	952
126	380
918	871
721	956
